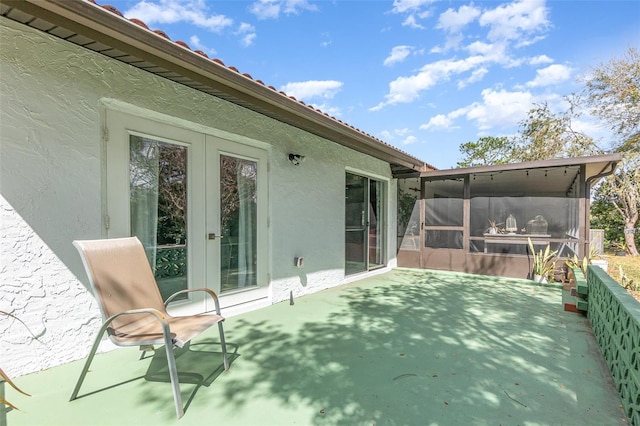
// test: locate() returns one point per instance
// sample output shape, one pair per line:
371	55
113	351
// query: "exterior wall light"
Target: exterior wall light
296	159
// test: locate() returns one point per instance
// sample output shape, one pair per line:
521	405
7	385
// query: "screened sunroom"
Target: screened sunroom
481	219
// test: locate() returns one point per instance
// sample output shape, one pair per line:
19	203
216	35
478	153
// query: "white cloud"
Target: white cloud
498	109
306	90
453	41
173	11
330	110
271	9
411	22
482	48
385	134
453	21
440	122
589	127
475	76
409	140
327	41
401	136
402	6
245	28
398	54
196	44
542	59
248	39
553	74
408	89
247	34
414	9
513	21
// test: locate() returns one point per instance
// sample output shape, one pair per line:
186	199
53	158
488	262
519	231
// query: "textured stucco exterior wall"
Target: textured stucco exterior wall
51	189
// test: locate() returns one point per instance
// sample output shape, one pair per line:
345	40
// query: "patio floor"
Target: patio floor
404	348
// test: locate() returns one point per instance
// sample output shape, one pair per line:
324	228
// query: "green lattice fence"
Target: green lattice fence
171	261
615	318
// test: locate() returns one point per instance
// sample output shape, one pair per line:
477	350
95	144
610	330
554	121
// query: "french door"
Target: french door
365	219
198	204
236	220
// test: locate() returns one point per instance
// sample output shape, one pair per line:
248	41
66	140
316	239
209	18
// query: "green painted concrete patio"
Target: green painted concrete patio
404	348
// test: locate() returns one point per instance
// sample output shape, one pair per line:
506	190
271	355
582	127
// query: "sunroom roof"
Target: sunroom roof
554	176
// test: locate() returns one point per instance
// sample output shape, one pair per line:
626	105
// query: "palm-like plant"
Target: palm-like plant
5	377
3	401
544	261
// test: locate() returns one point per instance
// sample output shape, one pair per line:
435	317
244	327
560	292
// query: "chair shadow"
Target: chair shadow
196	363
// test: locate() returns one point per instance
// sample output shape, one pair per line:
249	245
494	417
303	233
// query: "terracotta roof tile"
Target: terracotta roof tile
182	43
162	34
112	9
139	23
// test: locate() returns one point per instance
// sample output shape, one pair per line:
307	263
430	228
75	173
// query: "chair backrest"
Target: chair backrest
121	278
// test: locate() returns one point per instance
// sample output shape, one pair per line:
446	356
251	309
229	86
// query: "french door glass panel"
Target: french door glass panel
158	208
237	248
238	217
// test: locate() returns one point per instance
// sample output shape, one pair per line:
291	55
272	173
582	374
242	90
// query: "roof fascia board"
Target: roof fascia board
605	160
108	28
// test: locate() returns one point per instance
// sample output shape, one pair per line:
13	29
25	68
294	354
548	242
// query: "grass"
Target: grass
630	266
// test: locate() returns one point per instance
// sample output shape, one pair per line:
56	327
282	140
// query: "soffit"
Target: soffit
106	31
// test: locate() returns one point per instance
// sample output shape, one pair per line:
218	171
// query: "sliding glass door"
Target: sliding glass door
365	220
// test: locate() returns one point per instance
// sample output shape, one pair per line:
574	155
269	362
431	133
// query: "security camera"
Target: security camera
296	159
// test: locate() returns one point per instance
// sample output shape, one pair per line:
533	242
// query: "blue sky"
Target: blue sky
422	75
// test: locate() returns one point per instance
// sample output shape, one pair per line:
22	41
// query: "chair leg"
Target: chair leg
224	346
173	374
87	364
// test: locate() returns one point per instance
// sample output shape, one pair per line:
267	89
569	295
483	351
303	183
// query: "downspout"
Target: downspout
587	194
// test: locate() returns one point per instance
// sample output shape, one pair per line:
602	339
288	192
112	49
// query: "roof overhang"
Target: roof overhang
103	31
549	176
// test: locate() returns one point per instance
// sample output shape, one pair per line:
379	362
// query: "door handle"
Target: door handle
213	236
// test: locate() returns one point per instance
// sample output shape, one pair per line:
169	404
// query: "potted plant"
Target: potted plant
591	259
619	248
544	263
494	227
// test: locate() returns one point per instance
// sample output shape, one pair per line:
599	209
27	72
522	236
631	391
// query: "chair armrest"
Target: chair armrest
164	322
210	292
151	311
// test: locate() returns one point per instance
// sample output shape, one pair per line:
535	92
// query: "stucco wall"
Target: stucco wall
51	156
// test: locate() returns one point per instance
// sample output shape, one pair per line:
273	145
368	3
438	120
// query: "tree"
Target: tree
545	135
622	191
613	95
605	216
487	150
